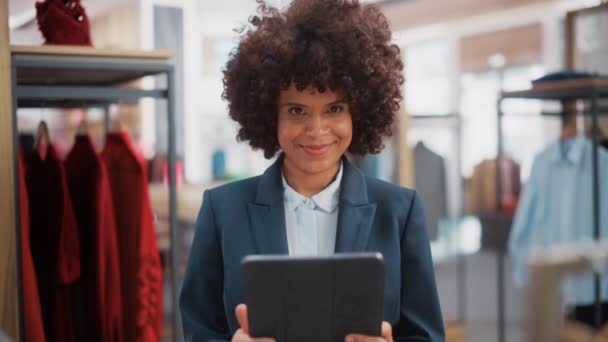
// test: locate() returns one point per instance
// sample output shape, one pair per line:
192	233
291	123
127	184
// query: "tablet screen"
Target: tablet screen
304	299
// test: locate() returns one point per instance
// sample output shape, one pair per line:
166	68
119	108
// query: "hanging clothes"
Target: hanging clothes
98	292
586	314
482	198
430	179
140	267
26	143
54	242
557	207
32	314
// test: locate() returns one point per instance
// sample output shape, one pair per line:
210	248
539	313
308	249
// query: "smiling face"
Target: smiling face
314	129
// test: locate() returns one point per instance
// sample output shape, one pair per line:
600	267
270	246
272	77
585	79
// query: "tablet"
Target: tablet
321	299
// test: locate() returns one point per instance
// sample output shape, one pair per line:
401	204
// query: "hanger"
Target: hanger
83	127
580	118
574	125
116	126
42	140
573	120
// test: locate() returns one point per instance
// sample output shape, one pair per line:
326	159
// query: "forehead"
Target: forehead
309	95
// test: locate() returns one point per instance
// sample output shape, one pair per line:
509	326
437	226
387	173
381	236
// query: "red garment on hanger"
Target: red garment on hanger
140	267
98	294
54	242
32	314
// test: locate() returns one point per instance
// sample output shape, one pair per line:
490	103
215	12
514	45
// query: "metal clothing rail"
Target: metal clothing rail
72	77
591	89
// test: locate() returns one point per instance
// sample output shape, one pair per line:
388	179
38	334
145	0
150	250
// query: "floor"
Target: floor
479	305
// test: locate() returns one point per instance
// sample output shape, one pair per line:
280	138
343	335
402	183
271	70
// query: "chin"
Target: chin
318	165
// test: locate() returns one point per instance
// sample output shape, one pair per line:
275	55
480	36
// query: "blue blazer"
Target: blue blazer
247	217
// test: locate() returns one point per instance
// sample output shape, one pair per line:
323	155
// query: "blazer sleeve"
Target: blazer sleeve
420	316
201	298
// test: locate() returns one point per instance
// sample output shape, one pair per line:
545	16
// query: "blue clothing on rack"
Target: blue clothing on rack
557	207
218	164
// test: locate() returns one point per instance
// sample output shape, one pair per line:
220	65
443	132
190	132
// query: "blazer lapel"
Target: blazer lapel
267	214
356	214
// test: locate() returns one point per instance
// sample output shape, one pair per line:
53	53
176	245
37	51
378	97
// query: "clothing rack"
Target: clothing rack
454	121
75	77
591	89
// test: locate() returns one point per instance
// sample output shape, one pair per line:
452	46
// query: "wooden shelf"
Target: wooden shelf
85	66
563	90
83	51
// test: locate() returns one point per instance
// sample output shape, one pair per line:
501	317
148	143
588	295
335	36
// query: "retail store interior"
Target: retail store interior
502	131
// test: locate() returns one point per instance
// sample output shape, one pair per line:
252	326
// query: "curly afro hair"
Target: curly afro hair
337	44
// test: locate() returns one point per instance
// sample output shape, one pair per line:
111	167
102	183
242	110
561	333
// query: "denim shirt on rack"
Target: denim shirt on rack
557	207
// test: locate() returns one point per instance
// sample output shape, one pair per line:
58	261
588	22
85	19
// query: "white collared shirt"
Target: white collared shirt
312	222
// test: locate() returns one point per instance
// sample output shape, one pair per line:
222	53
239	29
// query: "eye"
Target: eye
296	111
336	109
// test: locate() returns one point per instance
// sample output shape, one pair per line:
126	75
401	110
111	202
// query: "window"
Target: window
525	132
428	86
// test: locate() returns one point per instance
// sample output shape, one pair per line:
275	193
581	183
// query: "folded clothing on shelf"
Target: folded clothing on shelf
567	75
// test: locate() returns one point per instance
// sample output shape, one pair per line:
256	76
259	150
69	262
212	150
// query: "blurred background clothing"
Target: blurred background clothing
430	175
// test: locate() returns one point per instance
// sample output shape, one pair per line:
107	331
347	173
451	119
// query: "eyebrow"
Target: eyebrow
293	104
303	105
337	102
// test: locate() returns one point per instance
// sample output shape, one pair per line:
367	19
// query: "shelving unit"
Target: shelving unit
590	89
73	77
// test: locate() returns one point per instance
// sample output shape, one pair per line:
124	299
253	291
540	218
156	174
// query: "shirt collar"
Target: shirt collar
571	150
326	200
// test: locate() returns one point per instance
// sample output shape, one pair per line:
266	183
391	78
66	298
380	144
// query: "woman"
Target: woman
313	82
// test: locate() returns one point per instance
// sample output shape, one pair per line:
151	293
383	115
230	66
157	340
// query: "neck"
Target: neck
308	184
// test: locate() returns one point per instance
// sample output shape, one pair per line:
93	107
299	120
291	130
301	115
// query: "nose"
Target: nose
316	125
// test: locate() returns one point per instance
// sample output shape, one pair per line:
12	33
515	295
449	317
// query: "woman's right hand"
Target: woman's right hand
242	335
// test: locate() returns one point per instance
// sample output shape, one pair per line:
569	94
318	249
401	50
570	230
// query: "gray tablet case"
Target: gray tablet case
321	299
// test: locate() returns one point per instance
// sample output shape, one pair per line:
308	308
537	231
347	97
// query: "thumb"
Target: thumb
241	317
387	332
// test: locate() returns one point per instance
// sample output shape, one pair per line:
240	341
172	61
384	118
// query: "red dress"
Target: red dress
98	293
32	315
54	242
140	267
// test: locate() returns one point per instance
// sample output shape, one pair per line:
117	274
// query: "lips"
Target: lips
316	150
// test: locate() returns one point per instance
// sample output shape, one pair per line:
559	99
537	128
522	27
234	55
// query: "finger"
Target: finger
241	317
387	331
241	336
362	338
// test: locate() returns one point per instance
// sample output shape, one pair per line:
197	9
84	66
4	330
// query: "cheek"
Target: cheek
286	133
344	130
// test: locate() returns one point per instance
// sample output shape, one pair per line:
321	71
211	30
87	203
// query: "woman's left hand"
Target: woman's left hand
387	335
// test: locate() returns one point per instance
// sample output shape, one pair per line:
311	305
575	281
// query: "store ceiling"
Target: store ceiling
94	7
219	18
22	12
